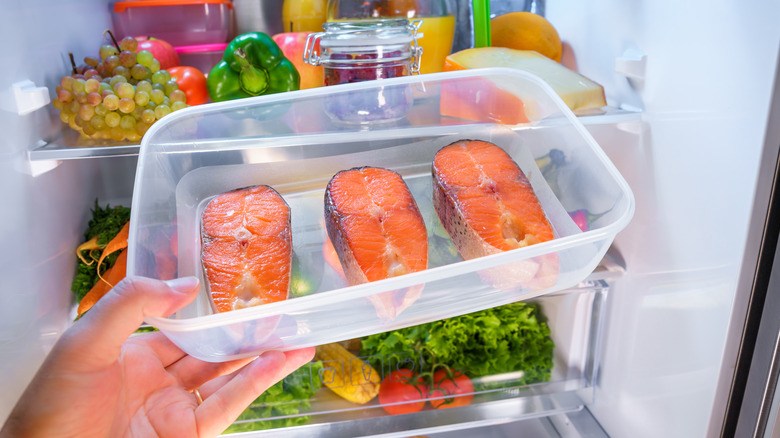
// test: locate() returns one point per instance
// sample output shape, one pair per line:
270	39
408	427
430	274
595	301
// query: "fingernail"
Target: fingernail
183	285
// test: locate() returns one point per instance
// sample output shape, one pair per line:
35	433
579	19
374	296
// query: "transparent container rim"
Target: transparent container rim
220	107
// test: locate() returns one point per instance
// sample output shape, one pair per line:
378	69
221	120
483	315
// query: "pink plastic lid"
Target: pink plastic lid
121	6
201	48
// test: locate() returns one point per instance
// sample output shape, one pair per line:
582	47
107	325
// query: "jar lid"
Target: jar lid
345	35
368	32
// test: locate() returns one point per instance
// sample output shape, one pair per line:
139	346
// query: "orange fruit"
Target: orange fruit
526	31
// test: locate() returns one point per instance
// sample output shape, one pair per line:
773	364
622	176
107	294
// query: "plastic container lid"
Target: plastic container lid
120	7
200	48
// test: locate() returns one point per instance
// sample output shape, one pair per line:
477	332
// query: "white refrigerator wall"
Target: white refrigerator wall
45	204
703	86
702	74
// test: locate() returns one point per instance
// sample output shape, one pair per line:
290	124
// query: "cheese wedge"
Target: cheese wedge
580	94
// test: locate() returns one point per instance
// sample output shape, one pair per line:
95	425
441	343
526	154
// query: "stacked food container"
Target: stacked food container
199	30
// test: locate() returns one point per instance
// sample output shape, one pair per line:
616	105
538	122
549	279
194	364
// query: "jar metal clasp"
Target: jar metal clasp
414	27
310	55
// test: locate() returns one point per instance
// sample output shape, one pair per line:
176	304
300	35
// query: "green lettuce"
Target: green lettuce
509	338
282	404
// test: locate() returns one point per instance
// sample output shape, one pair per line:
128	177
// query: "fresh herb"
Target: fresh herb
504	339
286	400
106	222
104	225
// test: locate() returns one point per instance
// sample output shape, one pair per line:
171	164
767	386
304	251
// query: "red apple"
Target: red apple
293	45
161	50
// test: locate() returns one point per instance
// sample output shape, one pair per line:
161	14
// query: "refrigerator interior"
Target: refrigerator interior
692	84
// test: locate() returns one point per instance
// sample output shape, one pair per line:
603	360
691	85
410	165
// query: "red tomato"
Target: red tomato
458	389
192	82
400	393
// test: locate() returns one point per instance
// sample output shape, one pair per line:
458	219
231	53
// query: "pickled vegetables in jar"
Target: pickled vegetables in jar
363	51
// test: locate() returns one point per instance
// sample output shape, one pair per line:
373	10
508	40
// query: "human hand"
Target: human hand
97	382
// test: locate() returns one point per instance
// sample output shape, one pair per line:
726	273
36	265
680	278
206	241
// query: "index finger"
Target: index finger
100	333
221	408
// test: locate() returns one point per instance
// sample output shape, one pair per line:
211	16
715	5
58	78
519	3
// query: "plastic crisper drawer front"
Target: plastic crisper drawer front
554	346
296	141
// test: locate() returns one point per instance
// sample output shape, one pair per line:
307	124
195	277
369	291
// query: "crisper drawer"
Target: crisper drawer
524	360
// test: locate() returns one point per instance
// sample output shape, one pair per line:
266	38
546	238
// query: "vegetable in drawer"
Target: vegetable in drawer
283	405
349	377
94	262
509	338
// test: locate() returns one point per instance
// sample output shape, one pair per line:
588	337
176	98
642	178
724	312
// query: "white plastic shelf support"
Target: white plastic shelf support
632	64
24	97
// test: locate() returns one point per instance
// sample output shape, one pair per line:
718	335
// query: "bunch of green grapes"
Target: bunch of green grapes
119	95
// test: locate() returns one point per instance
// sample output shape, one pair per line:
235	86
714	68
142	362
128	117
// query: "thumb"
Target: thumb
105	327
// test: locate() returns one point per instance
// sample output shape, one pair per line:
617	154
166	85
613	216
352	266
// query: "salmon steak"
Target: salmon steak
377	231
246	248
487	205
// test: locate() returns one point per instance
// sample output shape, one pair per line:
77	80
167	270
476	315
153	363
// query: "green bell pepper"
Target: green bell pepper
252	65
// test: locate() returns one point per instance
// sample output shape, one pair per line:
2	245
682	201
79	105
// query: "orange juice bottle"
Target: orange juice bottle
436	42
303	15
437	28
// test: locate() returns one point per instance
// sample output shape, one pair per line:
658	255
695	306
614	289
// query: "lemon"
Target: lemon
526	31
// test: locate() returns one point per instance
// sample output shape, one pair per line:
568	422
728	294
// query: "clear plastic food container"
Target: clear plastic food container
201	56
287	141
178	22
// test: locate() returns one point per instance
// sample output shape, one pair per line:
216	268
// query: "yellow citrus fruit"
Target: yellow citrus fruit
526	31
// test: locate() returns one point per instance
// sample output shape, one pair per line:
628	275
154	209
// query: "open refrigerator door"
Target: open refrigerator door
635	337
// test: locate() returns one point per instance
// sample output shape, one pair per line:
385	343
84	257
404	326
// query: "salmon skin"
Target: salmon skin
247	248
377	231
487	205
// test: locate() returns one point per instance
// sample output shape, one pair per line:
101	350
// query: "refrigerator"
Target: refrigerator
674	334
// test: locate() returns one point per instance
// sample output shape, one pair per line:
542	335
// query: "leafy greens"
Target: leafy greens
285	400
509	338
105	224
